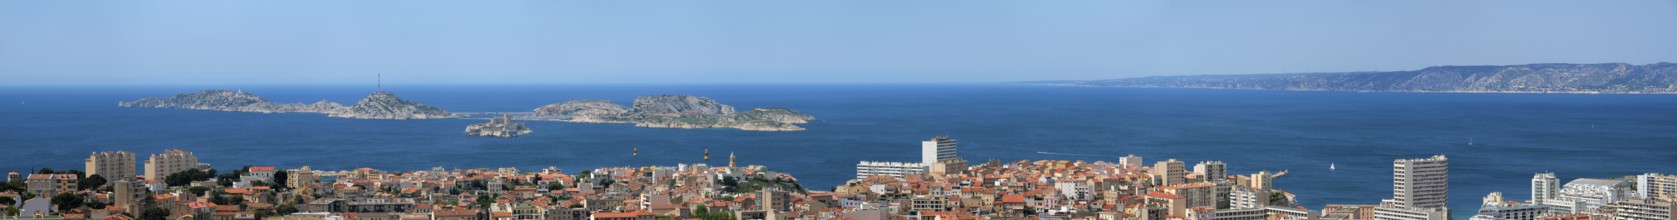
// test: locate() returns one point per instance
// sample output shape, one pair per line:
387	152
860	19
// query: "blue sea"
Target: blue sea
1512	135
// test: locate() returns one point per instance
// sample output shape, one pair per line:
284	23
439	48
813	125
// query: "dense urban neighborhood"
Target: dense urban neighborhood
941	186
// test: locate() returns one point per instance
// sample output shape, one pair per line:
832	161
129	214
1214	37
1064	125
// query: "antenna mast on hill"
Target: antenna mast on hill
380	82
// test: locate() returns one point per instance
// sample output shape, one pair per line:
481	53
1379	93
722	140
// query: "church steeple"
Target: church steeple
730	159
707	154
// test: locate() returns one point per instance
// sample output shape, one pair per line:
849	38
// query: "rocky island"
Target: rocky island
1606	78
379	105
677	111
229	100
498	127
385	105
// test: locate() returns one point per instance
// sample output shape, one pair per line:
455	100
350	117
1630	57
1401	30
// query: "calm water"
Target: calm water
1514	135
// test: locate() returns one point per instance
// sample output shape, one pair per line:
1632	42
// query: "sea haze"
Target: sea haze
1513	135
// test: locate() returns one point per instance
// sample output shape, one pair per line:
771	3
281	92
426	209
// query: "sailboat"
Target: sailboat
1470	141
1331	168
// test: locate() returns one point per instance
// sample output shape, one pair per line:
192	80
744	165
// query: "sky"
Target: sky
45	42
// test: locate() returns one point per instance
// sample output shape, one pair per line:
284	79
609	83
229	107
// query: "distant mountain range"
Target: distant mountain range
1606	78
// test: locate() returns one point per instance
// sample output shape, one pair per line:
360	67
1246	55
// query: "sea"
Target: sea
1495	142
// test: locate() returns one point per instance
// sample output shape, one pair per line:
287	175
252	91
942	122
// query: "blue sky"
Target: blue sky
803	41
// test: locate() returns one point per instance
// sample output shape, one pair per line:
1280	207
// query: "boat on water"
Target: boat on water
1331	168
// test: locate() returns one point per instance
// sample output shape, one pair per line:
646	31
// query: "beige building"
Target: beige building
113	165
1170	172
1420	189
171	161
1656	186
1131	161
951	165
1212	170
1643	209
300	179
46	185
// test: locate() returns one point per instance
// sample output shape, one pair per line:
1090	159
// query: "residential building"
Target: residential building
1656	186
1261	180
1643	209
1131	161
1212	170
931	203
950	165
936	149
1420	190
1389	210
300	179
1349	212
867	169
1544	186
1228	214
263	173
1170	172
773	200
170	161
1247	198
46	185
125	191
1495	208
1421	183
113	165
1197	195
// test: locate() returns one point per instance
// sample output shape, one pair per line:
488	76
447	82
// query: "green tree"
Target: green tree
91	182
96	205
187	177
45	171
154	214
67	201
198	190
286	209
8	201
280	177
222	199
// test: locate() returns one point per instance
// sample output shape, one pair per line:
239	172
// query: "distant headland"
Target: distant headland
1606	78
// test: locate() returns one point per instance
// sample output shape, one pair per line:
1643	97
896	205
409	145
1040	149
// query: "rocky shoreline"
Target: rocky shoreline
379	105
677	111
660	111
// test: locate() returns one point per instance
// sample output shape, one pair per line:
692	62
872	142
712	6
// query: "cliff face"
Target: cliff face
228	100
379	105
678	111
1610	78
385	105
675	105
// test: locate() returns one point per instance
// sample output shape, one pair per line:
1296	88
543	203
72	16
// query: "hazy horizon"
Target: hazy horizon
808	42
